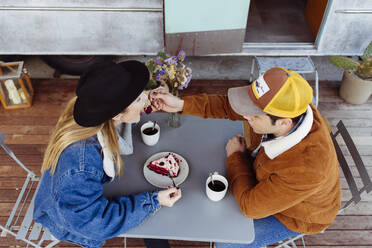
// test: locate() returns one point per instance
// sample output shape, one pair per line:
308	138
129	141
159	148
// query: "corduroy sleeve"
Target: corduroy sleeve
209	106
239	172
270	196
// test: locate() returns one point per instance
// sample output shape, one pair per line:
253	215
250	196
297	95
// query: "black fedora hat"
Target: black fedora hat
105	90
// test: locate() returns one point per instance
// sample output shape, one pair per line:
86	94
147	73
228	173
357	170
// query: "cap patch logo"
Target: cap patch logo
260	87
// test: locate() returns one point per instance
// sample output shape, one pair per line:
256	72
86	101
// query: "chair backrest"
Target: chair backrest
367	184
20	223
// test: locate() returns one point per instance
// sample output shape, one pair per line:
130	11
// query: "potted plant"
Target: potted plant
356	85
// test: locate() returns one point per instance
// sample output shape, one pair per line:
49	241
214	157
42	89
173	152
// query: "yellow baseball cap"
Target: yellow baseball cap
279	92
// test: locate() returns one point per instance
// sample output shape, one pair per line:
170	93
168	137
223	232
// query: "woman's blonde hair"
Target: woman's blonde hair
67	131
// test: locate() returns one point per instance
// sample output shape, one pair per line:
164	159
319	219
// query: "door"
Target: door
347	27
205	27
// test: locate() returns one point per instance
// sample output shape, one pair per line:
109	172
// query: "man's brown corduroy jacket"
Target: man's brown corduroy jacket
299	186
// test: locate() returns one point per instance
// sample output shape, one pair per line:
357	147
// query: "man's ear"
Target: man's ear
285	122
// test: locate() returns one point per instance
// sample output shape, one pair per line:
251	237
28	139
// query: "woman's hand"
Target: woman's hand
235	144
169	196
165	101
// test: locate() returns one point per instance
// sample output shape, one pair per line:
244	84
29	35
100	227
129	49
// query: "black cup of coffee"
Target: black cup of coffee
150	131
216	185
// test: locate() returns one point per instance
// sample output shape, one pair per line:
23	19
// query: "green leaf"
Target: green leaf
151	67
152	84
162	54
343	62
368	52
365	69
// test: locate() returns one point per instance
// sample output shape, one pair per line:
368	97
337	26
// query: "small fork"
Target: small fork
171	177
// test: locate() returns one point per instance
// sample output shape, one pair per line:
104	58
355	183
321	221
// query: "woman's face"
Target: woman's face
132	113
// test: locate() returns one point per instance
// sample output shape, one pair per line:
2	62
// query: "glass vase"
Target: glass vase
174	119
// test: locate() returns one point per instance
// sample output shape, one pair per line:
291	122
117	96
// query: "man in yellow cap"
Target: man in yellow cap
287	180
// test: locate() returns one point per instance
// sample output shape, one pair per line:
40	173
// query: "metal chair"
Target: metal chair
24	228
355	192
301	65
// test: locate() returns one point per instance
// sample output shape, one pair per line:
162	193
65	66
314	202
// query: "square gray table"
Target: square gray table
194	217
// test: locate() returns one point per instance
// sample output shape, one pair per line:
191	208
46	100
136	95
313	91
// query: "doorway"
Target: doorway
284	21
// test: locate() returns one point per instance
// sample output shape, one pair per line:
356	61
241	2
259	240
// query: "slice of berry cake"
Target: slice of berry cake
165	164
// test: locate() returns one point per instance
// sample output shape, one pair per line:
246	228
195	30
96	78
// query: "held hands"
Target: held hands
165	101
169	196
235	144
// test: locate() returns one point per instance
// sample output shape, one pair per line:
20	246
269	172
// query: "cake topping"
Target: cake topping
166	164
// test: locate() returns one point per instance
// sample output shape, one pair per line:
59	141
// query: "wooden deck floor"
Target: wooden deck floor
27	132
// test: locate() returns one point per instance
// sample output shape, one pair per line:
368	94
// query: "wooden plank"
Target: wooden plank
6	208
345	186
17	171
351	223
54	83
324	107
345	114
190	243
357	122
30	130
355	172
23	149
330	94
11	182
28	121
49	109
27	139
334	237
27	159
10	195
346	195
359	141
358	131
363	150
330	97
367	159
362	208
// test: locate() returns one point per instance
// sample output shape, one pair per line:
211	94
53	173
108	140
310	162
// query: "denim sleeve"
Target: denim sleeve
85	211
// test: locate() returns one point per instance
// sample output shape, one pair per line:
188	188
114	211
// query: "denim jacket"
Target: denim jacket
71	204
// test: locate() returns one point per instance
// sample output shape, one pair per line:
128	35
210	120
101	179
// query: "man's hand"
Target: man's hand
169	196
165	101
235	144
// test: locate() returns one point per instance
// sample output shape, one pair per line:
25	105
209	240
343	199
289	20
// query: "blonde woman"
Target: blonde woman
83	154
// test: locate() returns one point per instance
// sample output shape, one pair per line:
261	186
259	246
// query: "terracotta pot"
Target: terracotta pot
354	89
